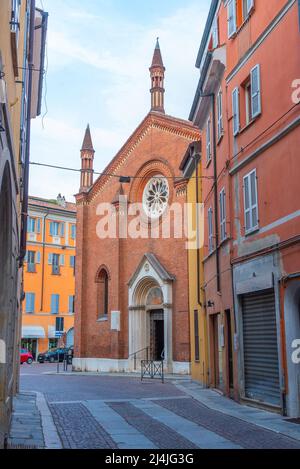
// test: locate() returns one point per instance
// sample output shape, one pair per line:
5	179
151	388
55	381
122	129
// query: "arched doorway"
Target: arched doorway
150	313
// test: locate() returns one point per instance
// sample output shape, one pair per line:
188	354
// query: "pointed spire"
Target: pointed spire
87	162
157	60
87	141
157	74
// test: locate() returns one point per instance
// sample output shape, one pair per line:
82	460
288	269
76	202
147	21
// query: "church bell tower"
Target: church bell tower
157	74
87	162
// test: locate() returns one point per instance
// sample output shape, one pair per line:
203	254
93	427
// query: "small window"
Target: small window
30	303
59	324
210	231
54	304
208	141
31	261
71	304
57	229
250	202
33	225
223	214
102	293
220	114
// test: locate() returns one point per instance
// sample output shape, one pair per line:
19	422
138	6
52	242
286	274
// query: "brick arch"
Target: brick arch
147	170
100	269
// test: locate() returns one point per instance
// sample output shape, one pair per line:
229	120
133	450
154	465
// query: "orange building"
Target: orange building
247	107
49	274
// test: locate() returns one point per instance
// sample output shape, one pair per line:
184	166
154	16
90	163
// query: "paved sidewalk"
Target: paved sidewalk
26	427
261	418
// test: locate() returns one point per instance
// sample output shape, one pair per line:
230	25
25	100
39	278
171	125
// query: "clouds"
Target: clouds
98	72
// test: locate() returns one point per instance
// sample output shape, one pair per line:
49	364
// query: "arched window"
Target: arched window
102	292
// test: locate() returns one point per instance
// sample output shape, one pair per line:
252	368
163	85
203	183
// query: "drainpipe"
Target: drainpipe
28	125
216	211
43	260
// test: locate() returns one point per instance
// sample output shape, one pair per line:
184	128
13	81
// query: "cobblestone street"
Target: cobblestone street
111	412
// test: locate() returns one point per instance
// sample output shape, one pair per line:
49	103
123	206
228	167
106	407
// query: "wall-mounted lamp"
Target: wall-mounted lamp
210	304
125	179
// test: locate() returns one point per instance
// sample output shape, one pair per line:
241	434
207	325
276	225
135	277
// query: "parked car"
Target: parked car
25	356
51	355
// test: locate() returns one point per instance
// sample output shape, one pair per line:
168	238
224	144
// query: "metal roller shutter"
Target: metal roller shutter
261	365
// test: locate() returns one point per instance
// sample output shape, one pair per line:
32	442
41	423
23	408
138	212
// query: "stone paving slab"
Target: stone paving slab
197	434
160	434
78	429
233	429
26	427
126	436
259	417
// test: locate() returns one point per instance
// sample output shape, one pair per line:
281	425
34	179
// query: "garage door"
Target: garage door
261	367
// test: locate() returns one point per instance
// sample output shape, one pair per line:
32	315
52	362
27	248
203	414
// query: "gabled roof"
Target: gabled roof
153	119
87	141
157	266
157	58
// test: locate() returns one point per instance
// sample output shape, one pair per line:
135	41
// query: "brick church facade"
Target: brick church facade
132	292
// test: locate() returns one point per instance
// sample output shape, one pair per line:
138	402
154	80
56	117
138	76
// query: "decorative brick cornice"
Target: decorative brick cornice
153	120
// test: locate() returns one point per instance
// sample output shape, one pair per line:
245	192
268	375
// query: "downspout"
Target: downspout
43	260
28	125
216	211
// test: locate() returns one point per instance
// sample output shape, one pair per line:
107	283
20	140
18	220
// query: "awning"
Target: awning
33	332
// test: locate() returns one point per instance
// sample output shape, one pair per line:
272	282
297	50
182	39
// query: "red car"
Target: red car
25	357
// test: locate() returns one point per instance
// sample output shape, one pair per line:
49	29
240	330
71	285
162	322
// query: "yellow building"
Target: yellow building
22	46
49	275
191	168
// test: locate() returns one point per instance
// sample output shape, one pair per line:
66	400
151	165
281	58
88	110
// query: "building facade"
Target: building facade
49	275
192	171
21	78
247	107
131	288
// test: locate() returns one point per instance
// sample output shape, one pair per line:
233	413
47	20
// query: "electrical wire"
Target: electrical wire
63	168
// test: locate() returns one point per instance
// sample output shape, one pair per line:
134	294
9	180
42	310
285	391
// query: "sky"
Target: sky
97	72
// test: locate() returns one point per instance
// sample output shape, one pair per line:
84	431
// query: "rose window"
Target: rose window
156	196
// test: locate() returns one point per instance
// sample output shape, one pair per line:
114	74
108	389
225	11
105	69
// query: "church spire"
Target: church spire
87	162
157	74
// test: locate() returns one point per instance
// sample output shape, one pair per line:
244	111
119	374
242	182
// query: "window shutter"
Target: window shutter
57	304
50	259
255	91
51	228
71	304
30	302
61	260
54	304
236	111
250	5
247	203
231	12
208	140
26	257
62	230
254	201
27	296
38	257
38	229
215	33
220	114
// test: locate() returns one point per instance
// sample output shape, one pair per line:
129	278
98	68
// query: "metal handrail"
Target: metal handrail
134	354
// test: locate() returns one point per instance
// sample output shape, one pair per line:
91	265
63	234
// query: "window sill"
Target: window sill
220	138
249	124
209	255
252	231
102	319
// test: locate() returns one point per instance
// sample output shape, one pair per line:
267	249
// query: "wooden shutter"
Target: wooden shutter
236	111
231	12
255	92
